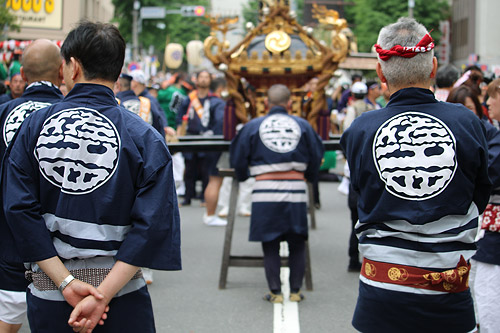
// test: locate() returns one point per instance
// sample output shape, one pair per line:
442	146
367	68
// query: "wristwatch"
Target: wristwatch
65	282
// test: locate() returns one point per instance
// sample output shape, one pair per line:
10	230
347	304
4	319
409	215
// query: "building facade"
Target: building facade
474	34
53	19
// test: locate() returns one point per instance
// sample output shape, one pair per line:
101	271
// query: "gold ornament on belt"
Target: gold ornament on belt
397	274
278	41
370	270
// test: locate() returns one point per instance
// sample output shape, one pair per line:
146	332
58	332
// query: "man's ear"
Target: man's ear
266	103
380	74
289	105
434	67
23	74
61	73
77	69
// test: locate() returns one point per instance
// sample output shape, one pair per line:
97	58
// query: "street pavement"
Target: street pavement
189	300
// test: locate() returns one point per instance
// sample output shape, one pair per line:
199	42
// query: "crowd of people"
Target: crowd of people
421	165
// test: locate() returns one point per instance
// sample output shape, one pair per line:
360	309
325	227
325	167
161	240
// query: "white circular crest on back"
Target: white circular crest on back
17	116
415	155
78	150
133	105
280	133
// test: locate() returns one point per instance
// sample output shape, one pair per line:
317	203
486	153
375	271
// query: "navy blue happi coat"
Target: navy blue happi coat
277	142
12	114
89	181
420	168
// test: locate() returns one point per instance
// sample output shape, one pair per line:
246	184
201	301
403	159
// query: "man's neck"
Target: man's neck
284	106
57	83
202	92
102	82
393	89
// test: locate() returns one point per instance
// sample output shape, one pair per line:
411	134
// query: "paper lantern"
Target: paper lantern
173	55
194	50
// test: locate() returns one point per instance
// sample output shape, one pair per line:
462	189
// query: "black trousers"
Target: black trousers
315	186
296	261
132	312
194	169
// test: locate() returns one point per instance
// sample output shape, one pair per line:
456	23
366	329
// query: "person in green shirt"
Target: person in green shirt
171	97
3	72
15	65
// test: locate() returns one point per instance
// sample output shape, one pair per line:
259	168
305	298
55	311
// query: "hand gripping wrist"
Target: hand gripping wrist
66	282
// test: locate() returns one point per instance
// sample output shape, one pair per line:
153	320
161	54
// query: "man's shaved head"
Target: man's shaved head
41	61
278	94
124	84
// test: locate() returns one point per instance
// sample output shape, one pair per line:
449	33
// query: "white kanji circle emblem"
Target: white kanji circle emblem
17	116
77	150
280	133
414	154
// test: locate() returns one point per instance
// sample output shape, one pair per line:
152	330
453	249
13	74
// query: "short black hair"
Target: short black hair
446	76
125	83
204	71
356	77
99	47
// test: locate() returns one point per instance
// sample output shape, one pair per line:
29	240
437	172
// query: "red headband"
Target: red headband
425	45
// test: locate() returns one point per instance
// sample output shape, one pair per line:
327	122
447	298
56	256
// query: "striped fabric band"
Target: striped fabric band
277	167
495	199
279	191
436	245
78	239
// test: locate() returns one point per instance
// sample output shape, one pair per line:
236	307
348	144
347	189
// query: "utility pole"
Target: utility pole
411	4
135	31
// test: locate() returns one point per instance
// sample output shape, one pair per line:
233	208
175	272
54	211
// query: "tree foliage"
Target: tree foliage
178	29
367	17
7	18
251	11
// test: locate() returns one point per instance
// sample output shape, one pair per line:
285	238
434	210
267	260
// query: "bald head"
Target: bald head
278	94
41	62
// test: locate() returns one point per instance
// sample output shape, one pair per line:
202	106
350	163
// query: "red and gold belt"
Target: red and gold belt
451	281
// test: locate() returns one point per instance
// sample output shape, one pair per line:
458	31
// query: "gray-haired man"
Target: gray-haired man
420	169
